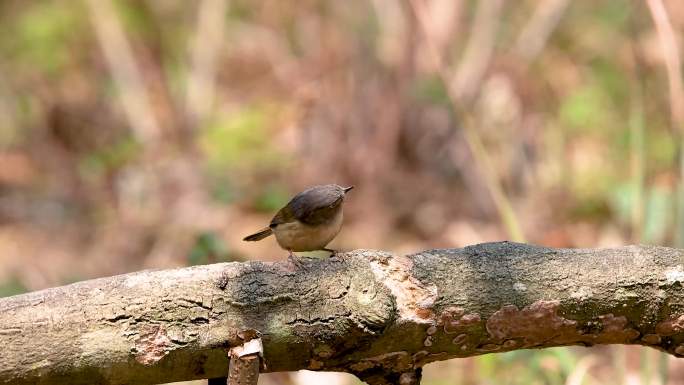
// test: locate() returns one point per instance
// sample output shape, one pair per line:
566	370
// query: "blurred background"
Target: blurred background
158	133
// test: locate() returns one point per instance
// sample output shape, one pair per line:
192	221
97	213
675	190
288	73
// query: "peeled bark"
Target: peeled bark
379	316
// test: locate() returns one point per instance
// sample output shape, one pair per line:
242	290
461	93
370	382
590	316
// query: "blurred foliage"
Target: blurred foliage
13	286
291	94
271	199
430	90
585	109
209	248
549	366
115	156
241	139
42	37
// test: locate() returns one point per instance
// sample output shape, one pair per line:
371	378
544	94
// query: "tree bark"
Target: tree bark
377	315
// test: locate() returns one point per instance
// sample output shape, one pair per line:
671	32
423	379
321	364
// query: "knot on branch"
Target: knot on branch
414	300
152	346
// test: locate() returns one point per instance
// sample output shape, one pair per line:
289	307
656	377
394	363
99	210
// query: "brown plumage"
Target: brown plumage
309	221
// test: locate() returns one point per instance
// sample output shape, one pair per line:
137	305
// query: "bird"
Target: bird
308	222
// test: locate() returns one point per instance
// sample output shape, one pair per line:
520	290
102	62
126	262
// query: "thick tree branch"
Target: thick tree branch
379	316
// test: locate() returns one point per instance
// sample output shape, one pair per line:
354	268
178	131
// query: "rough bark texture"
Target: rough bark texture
379	316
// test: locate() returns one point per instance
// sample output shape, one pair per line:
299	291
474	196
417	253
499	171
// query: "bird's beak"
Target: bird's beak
347	189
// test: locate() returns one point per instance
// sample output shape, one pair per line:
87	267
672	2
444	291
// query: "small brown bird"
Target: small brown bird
309	221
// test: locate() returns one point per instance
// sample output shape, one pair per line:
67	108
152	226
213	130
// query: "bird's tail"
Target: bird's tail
261	234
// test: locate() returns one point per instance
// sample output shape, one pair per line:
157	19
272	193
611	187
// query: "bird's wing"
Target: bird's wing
283	215
308	208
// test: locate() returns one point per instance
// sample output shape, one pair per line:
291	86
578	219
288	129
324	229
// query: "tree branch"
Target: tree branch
379	316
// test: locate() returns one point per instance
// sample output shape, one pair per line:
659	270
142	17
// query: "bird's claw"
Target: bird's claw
295	260
335	254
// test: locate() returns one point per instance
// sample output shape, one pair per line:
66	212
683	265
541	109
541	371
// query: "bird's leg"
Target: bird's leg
293	259
333	253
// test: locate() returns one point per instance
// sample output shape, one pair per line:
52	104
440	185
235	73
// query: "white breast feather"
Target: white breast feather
297	236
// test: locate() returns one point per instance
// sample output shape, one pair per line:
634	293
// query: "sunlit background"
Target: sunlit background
156	134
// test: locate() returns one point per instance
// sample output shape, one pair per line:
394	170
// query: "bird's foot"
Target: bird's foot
296	261
335	254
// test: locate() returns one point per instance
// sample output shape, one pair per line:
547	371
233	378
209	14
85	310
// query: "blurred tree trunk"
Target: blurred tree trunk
379	316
